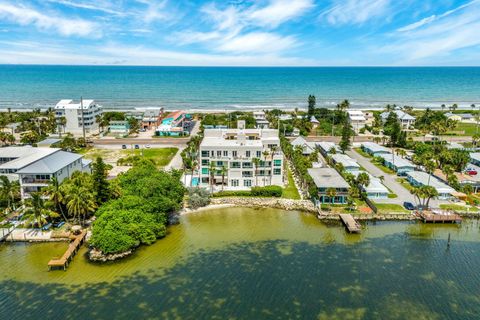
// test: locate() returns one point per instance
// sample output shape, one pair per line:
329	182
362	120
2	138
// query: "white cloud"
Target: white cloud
439	36
257	42
23	15
278	12
90	5
345	12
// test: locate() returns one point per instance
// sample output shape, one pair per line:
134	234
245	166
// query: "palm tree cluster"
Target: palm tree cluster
423	195
9	194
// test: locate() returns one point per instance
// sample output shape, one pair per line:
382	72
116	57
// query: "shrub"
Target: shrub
269	191
198	197
240	193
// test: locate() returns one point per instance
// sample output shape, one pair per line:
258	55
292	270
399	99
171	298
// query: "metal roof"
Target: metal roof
51	164
372	146
345	160
422	178
398	161
23	156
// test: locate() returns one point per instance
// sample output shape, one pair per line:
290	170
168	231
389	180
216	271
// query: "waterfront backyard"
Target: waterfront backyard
251	263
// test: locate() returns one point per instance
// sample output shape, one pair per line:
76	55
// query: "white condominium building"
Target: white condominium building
236	150
75	121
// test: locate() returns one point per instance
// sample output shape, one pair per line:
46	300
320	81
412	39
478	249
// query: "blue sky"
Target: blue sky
241	33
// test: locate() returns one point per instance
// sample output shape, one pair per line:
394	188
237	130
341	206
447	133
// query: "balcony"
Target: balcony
35	181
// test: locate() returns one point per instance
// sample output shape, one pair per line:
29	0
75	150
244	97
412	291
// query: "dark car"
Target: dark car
124	146
408	206
137	146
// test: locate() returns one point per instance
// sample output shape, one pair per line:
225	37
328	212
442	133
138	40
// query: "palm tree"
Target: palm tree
265	154
55	194
331	193
211	171
443	106
223	172
400	152
430	166
80	202
453	107
363	179
256	163
9	191
35	211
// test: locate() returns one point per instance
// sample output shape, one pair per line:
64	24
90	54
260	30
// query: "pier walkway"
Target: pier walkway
439	217
350	223
62	263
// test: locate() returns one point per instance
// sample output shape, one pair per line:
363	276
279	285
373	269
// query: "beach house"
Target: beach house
34	167
151	118
173	124
374	149
421	178
241	158
307	147
397	163
331	186
326	147
406	120
356	119
119	127
375	189
349	165
475	158
77	118
460	117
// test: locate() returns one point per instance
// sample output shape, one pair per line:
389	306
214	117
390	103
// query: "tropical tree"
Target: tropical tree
36	212
468	189
211	171
223	172
311	105
256	163
100	182
443	106
346	135
453	107
265	154
9	191
55	195
80	202
331	193
430	166
363	179
423	194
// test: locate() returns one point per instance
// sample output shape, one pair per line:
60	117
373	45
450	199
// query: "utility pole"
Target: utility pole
83	120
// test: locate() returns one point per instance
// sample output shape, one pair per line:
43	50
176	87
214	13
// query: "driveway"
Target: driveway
389	180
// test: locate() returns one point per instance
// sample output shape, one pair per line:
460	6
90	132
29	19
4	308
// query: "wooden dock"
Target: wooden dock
350	223
444	217
73	247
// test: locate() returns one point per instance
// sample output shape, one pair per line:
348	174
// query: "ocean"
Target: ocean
220	88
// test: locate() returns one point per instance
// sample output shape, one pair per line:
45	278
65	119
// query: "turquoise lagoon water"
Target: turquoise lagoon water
120	87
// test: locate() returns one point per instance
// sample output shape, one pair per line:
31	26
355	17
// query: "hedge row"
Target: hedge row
269	191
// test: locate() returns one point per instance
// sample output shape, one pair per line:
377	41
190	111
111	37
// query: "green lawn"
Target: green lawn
290	191
362	153
404	183
383	168
389	208
464	129
161	156
457	207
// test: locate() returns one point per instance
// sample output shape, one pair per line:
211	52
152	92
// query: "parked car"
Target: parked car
408	205
124	146
137	146
147	146
471	172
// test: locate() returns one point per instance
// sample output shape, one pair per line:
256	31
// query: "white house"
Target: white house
307	147
235	151
356	119
35	167
79	116
420	178
406	120
350	165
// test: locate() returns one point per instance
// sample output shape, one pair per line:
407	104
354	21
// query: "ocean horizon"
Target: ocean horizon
237	88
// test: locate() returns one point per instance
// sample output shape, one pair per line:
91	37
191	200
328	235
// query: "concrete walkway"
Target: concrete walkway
176	162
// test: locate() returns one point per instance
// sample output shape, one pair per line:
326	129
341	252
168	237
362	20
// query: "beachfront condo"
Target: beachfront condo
246	157
34	167
77	118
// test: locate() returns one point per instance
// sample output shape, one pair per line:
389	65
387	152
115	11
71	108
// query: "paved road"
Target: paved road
389	181
370	138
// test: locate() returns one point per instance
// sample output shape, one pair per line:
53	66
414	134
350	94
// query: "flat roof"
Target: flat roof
374	147
397	160
422	178
219	142
327	178
69	104
345	160
51	163
475	156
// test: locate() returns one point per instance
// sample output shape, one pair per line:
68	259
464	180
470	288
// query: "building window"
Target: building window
205	162
219	163
205	180
219	153
235	183
277	163
247	154
247	165
277	171
204	170
235	165
246	174
205	153
225	153
259	154
234	153
247	183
